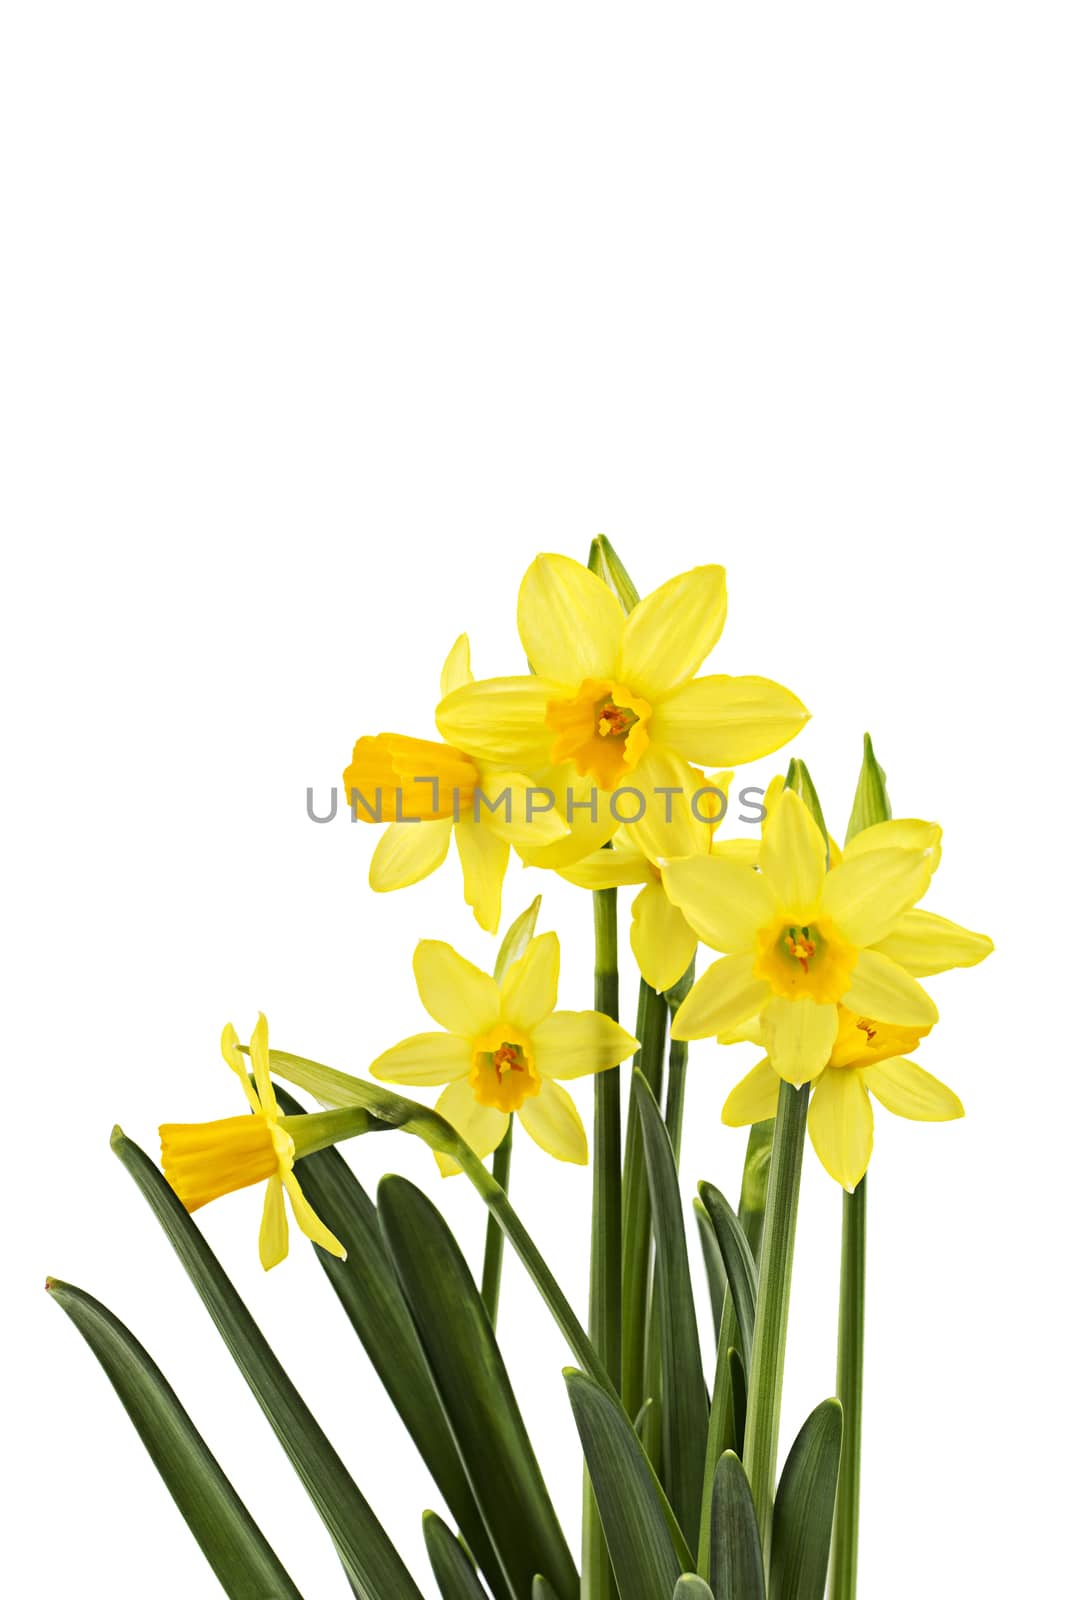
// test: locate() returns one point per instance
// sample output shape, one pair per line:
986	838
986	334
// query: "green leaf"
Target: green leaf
643	1555
684	1390
605	563
237	1552
368	1556
367	1288
736	1557
690	1587
462	1354
456	1578
756	1181
516	939
738	1383
713	1265
542	1589
803	1510
871	802
737	1258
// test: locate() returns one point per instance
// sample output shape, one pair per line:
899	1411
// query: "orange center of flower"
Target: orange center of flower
809	961
603	730
862	1041
502	1072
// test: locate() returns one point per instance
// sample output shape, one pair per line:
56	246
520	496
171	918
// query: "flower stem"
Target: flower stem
493	1265
605	1269
771	1309
636	1204
844	1561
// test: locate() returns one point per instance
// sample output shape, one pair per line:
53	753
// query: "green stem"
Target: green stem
605	1270
636	1204
493	1265
771	1309
844	1561
678	1063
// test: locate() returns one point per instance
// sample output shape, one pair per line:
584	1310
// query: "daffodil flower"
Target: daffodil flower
867	1058
504	1049
439	792
612	716
204	1160
662	941
801	940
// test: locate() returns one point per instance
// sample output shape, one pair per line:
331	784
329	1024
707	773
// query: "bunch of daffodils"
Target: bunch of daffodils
609	764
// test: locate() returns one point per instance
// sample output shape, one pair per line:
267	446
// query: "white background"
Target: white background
319	322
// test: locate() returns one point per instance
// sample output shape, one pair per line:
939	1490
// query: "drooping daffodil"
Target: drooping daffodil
504	1049
799	939
612	717
429	792
204	1160
868	1058
662	941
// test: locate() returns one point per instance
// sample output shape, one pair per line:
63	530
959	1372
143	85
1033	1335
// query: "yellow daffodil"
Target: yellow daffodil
613	717
203	1160
800	940
867	1058
427	792
504	1049
662	941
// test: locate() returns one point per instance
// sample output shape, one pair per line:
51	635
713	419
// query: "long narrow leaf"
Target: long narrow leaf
713	1265
475	1391
240	1557
737	1258
803	1510
684	1391
736	1556
456	1578
542	1589
367	1288
690	1587
372	1564
645	1561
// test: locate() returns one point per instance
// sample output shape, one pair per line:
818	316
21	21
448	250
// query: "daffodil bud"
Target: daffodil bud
871	797
604	562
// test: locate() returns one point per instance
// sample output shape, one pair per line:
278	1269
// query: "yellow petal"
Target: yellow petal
867	894
501	719
799	1037
747	1032
458	995
755	1097
725	901
670	633
274	1228
552	1120
308	1221
481	1126
743	850
623	864
483	856
456	669
424	1058
668	787
571	1044
792	858
511	806
531	984
899	833
569	622
841	1126
724	721
881	989
726	994
231	1054
407	852
661	939
908	1090
923	943
259	1050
